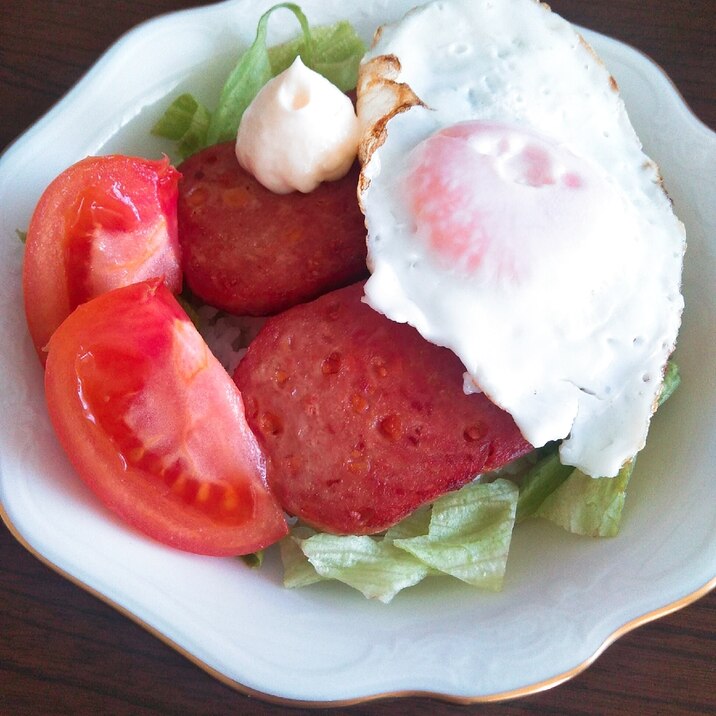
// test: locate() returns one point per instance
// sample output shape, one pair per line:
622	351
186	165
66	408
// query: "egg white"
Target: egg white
578	352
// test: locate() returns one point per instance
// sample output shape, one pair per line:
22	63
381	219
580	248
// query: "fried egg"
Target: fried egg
513	217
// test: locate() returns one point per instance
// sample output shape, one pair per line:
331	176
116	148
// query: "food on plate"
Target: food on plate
363	421
103	223
507	195
252	252
512	219
300	130
464	534
155	426
334	51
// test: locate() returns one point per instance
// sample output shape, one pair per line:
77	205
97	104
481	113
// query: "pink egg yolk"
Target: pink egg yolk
487	196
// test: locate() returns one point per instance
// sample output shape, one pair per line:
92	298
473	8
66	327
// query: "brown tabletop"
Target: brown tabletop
63	651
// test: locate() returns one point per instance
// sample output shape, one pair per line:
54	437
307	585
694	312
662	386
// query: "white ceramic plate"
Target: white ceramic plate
565	597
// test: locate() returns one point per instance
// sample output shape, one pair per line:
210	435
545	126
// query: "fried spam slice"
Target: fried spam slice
361	419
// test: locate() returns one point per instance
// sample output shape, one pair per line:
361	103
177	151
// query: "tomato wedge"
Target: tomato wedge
155	426
103	223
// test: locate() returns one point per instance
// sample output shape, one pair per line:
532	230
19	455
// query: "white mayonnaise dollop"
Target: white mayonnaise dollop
299	131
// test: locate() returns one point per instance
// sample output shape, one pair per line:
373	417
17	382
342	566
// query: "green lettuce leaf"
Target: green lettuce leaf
578	503
337	53
672	380
297	570
373	566
465	534
253	560
590	506
414	525
186	122
539	482
251	73
470	533
334	51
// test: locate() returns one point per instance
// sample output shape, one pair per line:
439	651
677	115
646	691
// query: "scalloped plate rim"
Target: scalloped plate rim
92	583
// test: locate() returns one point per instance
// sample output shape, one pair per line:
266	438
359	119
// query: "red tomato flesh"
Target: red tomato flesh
103	223
155	426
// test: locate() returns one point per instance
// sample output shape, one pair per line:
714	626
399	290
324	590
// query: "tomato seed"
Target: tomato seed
179	484
231	499
203	493
135	455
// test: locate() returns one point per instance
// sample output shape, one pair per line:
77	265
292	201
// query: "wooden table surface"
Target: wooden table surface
64	652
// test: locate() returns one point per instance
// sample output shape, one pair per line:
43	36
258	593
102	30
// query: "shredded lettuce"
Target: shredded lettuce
334	51
465	534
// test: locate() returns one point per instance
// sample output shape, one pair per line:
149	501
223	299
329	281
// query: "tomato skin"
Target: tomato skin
104	222
155	426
